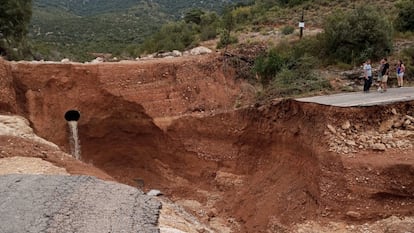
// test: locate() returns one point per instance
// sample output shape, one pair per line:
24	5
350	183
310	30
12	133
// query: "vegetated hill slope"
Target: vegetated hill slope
75	26
79	28
87	7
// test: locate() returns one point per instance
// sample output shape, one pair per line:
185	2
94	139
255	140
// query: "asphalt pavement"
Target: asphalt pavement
373	97
81	204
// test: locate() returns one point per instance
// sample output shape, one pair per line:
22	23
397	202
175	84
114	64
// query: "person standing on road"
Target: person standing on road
384	73
400	73
367	75
379	79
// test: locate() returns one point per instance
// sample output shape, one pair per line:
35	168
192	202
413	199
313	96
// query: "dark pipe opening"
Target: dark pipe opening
72	115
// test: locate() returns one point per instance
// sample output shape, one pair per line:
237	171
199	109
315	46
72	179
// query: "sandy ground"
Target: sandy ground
27	165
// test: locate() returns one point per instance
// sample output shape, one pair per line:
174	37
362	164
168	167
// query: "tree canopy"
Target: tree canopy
357	35
14	20
405	17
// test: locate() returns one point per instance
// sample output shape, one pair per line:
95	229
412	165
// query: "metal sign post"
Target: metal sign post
301	25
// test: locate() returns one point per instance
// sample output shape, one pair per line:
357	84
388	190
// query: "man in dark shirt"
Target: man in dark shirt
384	72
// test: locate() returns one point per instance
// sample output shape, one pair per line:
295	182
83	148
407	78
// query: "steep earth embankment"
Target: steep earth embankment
255	169
111	124
275	168
7	91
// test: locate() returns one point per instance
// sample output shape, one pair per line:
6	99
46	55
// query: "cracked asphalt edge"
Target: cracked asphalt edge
55	203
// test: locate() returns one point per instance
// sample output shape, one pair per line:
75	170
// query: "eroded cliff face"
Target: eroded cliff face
256	169
7	92
160	88
117	103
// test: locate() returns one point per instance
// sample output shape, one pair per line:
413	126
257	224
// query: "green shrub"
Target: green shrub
286	30
208	33
177	35
242	15
270	3
197	25
193	16
14	21
344	66
226	39
269	65
408	60
405	17
354	36
288	70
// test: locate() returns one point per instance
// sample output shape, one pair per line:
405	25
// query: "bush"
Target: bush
194	16
196	26
225	39
270	3
405	17
354	36
14	21
408	60
242	15
288	70
269	65
208	33
286	30
178	35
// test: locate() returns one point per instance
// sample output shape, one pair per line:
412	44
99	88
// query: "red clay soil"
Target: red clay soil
17	146
279	150
290	176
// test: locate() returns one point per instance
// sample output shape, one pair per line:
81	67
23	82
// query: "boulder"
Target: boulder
379	147
409	118
331	128
346	125
97	60
397	124
177	53
166	54
154	192
200	50
350	143
386	125
387	138
353	214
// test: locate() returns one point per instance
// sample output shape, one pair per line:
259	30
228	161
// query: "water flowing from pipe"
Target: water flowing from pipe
74	139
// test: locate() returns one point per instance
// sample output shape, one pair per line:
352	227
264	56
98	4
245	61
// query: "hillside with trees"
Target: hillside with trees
77	28
350	32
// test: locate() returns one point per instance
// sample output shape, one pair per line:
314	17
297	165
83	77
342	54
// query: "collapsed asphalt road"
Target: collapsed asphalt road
44	203
364	99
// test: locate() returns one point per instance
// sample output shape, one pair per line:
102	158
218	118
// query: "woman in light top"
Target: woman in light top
367	75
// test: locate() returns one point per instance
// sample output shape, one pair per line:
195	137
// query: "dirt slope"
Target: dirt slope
285	172
257	169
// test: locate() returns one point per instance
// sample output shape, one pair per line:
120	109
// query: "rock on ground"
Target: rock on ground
18	126
39	203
